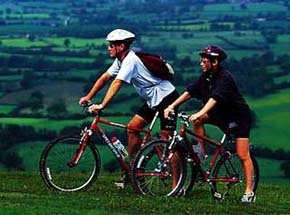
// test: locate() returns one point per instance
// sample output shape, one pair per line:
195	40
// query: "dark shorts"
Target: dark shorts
148	113
239	128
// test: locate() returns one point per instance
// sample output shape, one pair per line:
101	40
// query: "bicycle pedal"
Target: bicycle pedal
120	185
182	192
218	196
201	183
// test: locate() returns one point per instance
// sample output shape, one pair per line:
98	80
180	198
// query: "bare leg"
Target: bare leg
244	155
198	126
133	136
174	160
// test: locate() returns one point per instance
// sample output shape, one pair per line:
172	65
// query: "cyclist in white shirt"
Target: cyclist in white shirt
128	68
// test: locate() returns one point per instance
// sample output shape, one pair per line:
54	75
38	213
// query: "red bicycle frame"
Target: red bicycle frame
95	128
219	150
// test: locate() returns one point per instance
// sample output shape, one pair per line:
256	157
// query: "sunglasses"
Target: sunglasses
111	45
204	61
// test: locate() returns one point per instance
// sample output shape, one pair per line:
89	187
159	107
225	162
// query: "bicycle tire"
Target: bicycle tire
58	175
192	172
150	177
230	167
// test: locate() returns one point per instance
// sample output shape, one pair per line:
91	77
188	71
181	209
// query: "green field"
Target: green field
23	193
271	112
214	10
36	32
6	108
273	120
73	33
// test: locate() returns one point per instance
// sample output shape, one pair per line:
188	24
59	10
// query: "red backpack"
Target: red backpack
156	65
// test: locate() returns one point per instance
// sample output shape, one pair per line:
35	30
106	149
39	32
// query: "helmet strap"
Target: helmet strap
122	54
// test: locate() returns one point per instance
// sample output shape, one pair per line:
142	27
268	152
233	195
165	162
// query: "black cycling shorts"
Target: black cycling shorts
148	113
240	129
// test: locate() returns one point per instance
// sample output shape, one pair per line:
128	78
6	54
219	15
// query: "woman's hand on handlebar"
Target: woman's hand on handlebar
193	117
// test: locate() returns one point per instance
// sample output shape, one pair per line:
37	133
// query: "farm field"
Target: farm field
52	52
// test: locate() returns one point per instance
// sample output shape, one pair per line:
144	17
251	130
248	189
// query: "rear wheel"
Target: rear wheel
153	174
59	175
229	179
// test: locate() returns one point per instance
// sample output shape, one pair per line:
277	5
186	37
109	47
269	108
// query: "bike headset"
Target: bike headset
119	36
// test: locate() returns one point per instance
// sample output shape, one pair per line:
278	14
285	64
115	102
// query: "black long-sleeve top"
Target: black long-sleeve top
222	87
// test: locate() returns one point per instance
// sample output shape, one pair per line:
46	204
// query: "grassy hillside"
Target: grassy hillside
272	112
61	46
273	120
30	153
23	193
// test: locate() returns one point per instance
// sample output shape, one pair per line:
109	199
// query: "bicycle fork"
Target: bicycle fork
86	133
168	154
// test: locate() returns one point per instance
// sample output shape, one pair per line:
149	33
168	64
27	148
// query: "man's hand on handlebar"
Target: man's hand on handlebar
168	112
95	108
83	100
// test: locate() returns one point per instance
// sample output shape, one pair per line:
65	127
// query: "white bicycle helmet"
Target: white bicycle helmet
120	35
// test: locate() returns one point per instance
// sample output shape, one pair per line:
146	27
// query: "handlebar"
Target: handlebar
86	105
183	116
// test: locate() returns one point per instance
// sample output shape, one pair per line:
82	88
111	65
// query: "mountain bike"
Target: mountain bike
224	173
72	162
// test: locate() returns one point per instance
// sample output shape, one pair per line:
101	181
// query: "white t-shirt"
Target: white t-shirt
132	71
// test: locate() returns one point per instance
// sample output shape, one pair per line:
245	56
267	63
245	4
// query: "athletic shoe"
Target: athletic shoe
248	197
123	181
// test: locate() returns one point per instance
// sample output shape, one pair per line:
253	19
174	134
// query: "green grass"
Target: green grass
30	153
23	193
10	77
216	10
6	108
282	79
191	46
273	120
272	117
23	29
22	43
29	16
57	125
40	123
75	42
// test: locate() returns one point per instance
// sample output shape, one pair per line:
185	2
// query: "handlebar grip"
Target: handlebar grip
183	116
86	104
171	115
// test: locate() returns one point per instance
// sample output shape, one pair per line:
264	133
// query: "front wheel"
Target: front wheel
228	176
55	168
153	173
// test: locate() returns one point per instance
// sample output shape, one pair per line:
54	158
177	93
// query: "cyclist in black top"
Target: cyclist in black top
224	107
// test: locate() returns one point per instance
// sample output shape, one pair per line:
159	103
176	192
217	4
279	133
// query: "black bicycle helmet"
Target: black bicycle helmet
213	52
